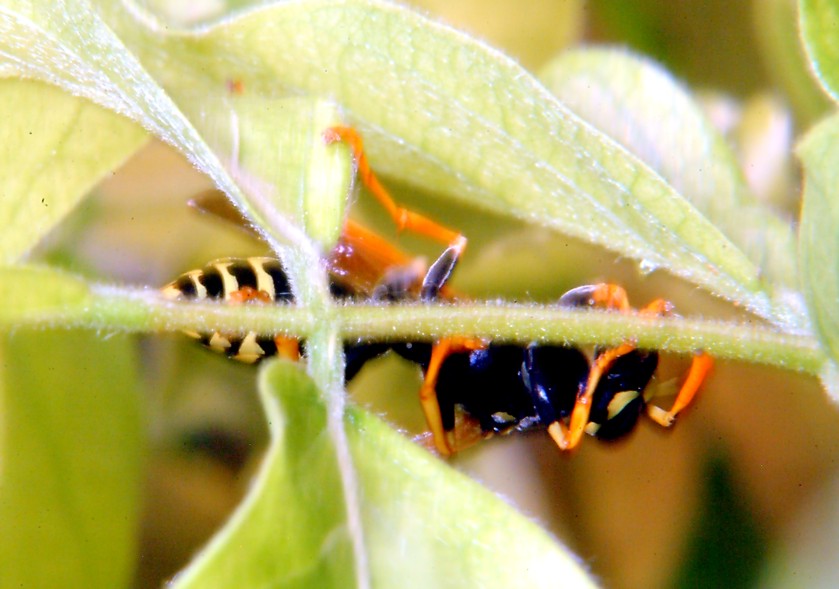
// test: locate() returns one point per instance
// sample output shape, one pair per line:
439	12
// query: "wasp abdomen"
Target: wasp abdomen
220	280
225	280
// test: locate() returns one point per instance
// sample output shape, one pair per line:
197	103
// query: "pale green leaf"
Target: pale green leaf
281	145
531	31
819	21
53	149
28	292
830	379
273	147
291	529
777	34
452	531
67	44
819	233
637	103
449	114
420	519
70	441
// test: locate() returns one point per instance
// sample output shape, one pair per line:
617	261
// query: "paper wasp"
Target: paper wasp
472	388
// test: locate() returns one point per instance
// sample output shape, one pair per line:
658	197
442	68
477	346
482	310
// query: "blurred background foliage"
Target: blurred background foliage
740	494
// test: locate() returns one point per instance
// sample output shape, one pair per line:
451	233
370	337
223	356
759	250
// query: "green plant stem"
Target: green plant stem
120	309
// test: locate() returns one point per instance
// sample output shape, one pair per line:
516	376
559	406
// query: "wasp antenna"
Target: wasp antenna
439	273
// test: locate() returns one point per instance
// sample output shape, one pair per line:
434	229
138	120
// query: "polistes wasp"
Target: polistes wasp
472	388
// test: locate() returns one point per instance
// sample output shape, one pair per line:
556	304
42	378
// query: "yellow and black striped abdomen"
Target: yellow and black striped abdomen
221	281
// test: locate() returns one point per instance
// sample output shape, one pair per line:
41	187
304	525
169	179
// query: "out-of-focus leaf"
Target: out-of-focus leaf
727	545
28	291
532	31
420	519
641	106
53	149
819	21
777	32
447	113
830	379
819	233
70	441
761	130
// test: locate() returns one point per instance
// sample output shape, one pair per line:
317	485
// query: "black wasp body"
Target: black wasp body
510	388
492	388
497	388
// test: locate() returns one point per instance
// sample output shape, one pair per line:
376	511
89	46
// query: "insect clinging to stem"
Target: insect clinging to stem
471	388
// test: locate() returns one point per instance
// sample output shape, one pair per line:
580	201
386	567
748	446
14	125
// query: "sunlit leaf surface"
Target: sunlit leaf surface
640	105
819	233
820	32
30	292
451	115
53	150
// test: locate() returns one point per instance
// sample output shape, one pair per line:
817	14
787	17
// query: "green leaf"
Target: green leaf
70	441
777	33
54	148
819	21
636	102
274	148
451	531
28	292
291	529
69	45
819	233
420	519
829	377
281	145
447	113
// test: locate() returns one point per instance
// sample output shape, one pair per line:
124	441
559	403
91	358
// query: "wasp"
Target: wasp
472	389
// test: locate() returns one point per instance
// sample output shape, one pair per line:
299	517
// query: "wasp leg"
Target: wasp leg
428	392
404	218
567	440
608	296
287	348
657	308
700	367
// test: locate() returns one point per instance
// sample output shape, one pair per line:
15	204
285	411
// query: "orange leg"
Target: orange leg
287	348
404	218
428	392
610	296
657	308
603	296
582	408
700	367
